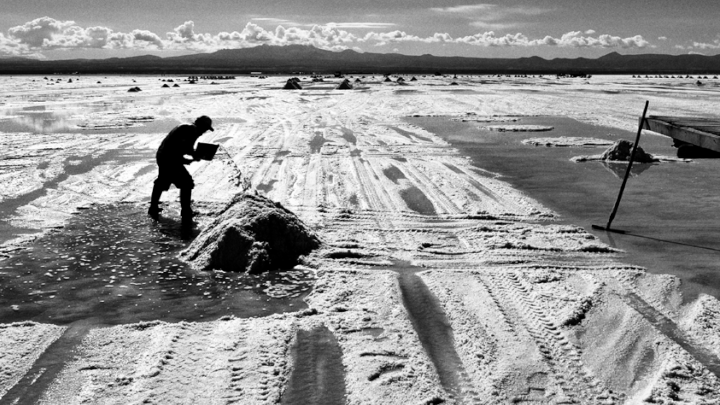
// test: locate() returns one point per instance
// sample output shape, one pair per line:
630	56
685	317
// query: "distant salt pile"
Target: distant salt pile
165	85
134	89
621	150
345	85
357	80
567	141
176	85
414	79
387	79
292	84
251	235
519	128
454	84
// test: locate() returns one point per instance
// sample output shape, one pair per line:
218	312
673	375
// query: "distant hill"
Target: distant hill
301	58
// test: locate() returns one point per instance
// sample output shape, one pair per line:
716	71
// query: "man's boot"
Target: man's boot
186	206
154	210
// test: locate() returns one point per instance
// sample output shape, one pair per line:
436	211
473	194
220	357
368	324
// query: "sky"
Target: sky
69	29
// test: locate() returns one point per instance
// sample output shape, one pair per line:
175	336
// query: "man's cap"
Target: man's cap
204	122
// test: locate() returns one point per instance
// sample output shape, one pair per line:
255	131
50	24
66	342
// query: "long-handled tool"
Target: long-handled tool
627	174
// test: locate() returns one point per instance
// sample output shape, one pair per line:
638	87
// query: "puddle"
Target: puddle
317	142
417	201
70	118
318	375
669	208
348	135
112	263
394	174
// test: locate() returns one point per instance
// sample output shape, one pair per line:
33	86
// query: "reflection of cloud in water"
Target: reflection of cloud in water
37	122
619	169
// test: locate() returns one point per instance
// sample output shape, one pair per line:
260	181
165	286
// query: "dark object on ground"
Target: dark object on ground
620	151
165	85
134	89
454	84
414	79
689	151
176	85
345	85
292	84
387	79
252	235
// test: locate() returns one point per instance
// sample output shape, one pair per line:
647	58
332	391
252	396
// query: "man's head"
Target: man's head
204	123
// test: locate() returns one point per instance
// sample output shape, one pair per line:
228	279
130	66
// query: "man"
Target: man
171	163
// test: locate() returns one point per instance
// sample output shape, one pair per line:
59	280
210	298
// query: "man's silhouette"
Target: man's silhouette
171	161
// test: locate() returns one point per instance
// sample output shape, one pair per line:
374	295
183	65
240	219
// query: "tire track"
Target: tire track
563	358
431	190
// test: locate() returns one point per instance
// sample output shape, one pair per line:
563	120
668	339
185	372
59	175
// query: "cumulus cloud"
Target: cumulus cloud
707	45
574	39
49	34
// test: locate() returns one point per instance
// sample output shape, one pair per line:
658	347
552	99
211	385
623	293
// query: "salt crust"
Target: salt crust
21	343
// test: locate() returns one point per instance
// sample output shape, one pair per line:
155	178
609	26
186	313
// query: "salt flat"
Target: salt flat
437	281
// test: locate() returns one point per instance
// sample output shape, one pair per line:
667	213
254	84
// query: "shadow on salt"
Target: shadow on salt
114	264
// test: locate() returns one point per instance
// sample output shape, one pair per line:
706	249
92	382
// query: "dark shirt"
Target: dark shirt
179	142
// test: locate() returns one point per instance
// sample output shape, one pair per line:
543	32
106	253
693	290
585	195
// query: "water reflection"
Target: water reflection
98	116
618	169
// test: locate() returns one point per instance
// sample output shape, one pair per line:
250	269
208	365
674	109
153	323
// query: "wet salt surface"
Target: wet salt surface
112	263
71	119
72	165
670	209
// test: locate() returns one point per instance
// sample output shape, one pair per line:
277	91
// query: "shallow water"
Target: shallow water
670	209
71	118
113	263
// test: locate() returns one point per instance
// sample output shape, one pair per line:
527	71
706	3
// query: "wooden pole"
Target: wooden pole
627	172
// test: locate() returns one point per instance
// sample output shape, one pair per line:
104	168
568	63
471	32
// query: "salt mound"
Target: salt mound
567	141
252	235
292	84
519	128
345	85
622	149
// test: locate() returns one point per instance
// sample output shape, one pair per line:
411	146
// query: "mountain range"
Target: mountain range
302	58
